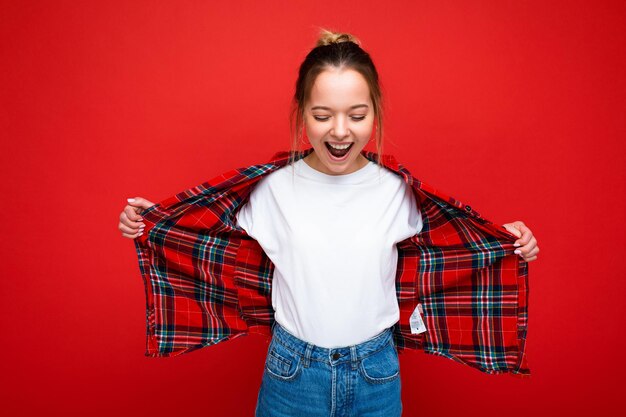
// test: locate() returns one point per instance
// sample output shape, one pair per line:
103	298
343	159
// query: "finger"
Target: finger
512	229
140	202
527	254
533	252
526	236
129	226
133	219
132	235
130	230
529	246
522	252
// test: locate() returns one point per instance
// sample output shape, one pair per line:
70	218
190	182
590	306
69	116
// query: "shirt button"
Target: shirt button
468	208
336	356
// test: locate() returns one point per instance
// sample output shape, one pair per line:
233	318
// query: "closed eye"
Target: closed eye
325	118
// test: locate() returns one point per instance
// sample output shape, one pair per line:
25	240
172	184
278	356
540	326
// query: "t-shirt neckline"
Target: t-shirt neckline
305	170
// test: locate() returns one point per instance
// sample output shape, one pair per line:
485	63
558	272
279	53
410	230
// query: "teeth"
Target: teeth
339	146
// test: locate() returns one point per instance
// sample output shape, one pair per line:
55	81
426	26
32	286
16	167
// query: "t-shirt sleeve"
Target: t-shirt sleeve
250	216
409	216
415	215
245	218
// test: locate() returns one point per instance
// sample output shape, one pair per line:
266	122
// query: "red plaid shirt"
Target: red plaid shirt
207	281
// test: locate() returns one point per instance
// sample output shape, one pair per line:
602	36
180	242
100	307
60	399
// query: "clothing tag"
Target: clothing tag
416	322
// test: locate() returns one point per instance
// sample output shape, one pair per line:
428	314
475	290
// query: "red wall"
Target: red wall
516	108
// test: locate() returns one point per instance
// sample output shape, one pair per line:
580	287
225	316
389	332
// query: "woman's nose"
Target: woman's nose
340	128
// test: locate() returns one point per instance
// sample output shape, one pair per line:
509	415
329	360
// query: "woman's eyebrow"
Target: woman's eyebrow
328	108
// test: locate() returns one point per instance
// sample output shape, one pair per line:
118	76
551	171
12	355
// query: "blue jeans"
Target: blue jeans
302	379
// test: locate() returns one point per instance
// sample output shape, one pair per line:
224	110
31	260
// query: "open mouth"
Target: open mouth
338	153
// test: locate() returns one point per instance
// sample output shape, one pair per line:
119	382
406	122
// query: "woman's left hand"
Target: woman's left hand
527	243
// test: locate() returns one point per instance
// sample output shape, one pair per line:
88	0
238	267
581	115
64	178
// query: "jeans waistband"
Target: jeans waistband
332	356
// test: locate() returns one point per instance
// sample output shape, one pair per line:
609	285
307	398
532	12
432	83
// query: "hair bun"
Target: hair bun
328	37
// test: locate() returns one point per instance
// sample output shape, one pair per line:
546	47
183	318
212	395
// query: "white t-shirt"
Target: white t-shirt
332	239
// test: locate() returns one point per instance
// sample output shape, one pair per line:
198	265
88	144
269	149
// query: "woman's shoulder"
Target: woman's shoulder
272	179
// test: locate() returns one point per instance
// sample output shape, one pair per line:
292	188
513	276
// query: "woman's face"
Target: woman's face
339	112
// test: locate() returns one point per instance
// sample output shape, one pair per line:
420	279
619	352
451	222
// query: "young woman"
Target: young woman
330	223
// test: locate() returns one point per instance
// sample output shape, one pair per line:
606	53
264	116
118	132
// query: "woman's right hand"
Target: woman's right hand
131	224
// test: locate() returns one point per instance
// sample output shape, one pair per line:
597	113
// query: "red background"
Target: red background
516	108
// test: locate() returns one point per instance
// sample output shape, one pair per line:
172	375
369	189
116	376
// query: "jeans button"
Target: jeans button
336	356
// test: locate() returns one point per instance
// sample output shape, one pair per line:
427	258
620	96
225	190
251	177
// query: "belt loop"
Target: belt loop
353	357
307	354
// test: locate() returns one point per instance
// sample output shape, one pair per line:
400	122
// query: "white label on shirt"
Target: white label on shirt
416	322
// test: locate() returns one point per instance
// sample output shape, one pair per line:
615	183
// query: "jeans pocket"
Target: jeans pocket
282	363
381	366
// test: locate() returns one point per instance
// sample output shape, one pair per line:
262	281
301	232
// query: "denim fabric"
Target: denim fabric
302	379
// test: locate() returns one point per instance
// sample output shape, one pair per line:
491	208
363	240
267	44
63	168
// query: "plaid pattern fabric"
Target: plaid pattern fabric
207	281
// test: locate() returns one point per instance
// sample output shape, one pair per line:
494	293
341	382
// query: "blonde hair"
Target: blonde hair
327	37
334	50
